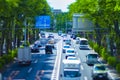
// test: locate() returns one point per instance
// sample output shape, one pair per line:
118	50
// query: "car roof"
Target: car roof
66	45
98	65
73	57
70	49
83	39
93	53
78	37
71	61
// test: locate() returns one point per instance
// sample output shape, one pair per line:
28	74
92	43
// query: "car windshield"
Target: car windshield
71	74
70	51
100	68
92	55
66	46
72	58
83	42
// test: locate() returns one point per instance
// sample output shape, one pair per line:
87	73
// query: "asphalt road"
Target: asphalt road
81	54
47	67
41	68
85	69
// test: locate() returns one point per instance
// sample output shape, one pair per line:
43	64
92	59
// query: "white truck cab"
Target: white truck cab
71	70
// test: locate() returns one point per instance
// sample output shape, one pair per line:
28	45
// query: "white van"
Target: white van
71	70
84	44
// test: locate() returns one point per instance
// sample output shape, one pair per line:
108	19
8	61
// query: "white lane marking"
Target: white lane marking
36	61
30	69
81	66
55	73
17	79
85	78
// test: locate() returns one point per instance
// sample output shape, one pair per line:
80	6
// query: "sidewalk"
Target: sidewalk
112	73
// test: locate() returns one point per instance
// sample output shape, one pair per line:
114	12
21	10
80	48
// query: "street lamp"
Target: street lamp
25	32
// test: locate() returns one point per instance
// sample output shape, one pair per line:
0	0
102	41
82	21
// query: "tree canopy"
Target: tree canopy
104	13
13	15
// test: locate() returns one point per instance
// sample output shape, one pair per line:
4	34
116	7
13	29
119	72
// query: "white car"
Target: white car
72	58
65	47
99	71
68	41
70	52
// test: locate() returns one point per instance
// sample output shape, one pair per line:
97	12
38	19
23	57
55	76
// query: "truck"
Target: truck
24	56
71	70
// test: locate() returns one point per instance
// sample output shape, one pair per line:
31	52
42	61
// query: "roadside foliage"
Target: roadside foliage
106	16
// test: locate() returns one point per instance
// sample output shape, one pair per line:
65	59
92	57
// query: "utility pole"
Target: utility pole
25	32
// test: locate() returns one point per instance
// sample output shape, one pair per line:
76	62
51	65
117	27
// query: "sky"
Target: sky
60	4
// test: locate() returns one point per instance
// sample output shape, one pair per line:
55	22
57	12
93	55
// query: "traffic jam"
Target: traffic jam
70	58
71	61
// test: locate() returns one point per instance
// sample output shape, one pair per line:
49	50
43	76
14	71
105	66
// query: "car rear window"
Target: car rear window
100	68
70	51
92	55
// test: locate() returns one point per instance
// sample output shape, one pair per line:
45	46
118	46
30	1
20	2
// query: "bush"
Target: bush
2	61
7	58
104	54
112	61
1	66
96	48
26	43
118	67
91	44
13	53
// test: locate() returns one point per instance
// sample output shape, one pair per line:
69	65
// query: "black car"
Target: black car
48	49
68	42
35	48
73	36
50	36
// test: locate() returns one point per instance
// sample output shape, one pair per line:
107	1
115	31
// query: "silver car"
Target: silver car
99	71
92	58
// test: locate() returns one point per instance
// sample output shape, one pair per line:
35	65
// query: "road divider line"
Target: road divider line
85	78
55	73
13	74
81	66
36	61
30	69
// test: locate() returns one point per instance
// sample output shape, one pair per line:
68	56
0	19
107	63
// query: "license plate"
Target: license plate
100	76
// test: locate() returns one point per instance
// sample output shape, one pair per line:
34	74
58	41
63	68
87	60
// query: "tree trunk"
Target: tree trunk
1	43
116	27
98	34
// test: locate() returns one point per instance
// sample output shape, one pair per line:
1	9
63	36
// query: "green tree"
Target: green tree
105	15
13	15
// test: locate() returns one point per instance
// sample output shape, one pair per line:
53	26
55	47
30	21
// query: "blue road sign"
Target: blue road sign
42	22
